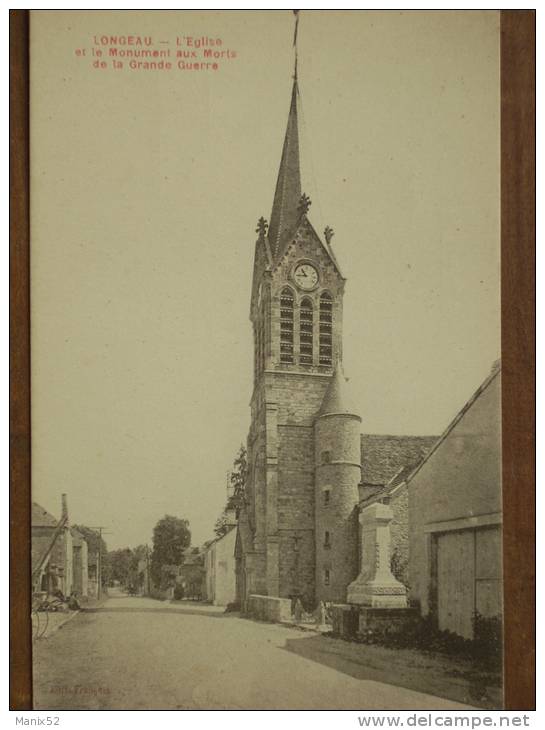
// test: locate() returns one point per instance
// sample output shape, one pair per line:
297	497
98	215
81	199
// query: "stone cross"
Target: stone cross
376	586
328	233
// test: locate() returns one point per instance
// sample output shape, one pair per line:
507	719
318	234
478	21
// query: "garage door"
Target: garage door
468	578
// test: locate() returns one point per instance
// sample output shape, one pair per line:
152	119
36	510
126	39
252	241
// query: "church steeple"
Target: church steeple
285	211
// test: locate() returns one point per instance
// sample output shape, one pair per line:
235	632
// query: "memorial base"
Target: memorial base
353	622
378	594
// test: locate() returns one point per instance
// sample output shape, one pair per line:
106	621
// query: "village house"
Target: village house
191	574
455	518
93	562
51	551
80	562
220	567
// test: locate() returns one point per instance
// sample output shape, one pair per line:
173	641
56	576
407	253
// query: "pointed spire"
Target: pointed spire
285	212
337	398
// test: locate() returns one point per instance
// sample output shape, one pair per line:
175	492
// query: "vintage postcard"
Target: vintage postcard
266	375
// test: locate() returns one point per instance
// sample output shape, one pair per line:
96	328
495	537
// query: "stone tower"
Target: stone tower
338	473
296	315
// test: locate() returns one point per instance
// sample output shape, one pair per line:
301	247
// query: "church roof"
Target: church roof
387	459
285	211
337	397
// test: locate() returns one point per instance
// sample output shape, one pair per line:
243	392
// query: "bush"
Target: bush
178	592
488	642
422	634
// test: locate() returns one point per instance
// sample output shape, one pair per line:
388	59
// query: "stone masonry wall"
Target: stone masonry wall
337	458
399	534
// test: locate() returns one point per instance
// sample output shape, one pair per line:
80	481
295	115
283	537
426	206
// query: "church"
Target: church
309	466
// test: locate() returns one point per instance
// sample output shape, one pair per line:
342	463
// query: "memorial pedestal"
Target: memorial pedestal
376	586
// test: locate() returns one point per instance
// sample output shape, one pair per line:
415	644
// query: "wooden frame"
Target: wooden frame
518	357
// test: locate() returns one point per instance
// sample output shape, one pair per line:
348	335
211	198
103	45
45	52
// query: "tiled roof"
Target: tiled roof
383	457
41	518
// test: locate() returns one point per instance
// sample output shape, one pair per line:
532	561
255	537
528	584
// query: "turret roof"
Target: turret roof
337	397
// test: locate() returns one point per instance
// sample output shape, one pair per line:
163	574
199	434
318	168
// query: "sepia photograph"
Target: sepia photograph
266	367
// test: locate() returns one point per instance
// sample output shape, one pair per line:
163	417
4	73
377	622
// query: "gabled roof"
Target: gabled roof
381	452
384	457
41	518
209	543
494	373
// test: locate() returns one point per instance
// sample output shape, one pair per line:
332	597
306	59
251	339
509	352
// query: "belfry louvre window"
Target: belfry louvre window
327	539
286	326
326	576
306	323
326	323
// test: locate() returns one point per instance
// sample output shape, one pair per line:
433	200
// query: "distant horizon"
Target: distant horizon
146	188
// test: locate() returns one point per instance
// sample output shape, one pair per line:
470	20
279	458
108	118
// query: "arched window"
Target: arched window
326	324
286	325
306	319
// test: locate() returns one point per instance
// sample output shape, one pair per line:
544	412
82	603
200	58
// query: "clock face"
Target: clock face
305	276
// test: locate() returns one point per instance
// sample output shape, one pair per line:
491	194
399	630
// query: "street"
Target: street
140	653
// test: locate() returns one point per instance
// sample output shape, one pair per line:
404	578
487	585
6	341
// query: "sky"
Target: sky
146	187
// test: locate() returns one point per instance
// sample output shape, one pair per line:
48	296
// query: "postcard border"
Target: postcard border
518	357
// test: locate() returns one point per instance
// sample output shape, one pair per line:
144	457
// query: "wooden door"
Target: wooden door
456	582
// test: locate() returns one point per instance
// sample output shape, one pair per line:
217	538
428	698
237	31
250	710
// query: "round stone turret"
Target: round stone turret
338	472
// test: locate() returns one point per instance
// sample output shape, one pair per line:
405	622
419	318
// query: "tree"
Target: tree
237	481
120	562
171	535
136	578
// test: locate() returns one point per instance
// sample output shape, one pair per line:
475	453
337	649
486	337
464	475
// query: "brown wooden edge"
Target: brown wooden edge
518	351
518	357
19	584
